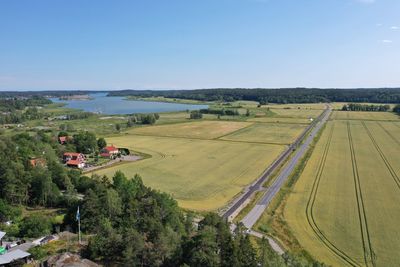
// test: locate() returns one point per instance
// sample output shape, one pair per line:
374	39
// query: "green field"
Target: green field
344	208
200	129
280	120
267	133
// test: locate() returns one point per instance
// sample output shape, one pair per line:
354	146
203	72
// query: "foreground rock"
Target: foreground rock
70	260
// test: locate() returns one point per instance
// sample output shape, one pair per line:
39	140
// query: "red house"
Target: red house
109	151
38	162
76	160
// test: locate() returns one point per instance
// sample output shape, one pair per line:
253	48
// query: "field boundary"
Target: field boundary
204	139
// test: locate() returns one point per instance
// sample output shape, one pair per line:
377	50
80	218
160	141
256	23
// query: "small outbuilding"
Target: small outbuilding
16	257
109	152
2	234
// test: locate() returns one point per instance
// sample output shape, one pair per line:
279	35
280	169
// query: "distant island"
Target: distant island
75	97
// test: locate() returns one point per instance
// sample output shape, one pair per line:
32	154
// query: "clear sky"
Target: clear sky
157	44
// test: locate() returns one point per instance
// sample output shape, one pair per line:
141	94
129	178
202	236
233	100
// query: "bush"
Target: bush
35	226
195	115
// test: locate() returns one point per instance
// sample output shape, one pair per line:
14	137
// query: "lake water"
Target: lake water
113	105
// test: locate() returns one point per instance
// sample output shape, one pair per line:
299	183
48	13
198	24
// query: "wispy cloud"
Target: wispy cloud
387	41
366	1
394	28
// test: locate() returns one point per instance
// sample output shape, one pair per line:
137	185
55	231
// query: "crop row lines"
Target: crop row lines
369	255
385	160
310	206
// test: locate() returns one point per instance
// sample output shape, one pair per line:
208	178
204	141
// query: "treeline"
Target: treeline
19	116
280	96
365	107
222	112
142	119
12	104
47	93
396	109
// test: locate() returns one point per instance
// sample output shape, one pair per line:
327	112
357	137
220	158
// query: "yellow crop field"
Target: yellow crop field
267	133
280	120
297	106
200	174
362	115
200	129
297	113
344	207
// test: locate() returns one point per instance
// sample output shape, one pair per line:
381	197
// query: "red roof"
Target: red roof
72	154
74	162
105	154
111	148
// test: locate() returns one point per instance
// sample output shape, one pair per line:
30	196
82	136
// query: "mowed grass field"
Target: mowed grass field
267	133
344	209
202	129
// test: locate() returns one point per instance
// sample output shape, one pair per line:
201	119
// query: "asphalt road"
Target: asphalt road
257	185
253	216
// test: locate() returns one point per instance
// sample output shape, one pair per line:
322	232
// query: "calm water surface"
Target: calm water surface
113	105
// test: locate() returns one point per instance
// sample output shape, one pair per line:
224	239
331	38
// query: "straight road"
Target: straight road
253	216
238	204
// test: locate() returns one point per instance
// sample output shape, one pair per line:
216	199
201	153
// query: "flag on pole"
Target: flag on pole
78	215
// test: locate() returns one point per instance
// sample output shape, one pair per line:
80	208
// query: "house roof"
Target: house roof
74	162
2	234
111	148
72	154
62	138
12	256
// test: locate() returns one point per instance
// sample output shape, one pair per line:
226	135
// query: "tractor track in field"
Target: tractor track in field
310	206
389	133
369	255
385	160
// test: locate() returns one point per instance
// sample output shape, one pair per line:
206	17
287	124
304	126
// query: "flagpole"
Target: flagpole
79	230
78	218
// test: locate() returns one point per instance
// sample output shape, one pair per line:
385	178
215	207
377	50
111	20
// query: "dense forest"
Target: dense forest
281	96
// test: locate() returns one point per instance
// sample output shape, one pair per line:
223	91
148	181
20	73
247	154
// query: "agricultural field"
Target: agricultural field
344	207
296	113
320	106
280	120
267	133
200	174
204	163
202	129
363	115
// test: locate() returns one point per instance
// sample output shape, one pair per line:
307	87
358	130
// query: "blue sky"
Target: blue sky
157	44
